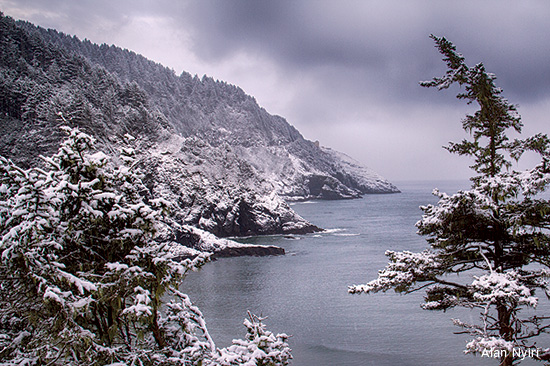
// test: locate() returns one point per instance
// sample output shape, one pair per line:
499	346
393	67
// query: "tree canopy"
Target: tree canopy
84	280
496	235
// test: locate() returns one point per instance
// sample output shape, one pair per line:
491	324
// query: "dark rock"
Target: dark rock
250	250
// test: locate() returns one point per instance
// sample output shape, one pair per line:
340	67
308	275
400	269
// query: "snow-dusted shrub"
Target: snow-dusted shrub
260	347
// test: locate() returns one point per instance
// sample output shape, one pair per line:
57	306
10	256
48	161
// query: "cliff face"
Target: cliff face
220	159
220	113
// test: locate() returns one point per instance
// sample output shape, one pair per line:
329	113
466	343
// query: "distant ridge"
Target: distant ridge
223	161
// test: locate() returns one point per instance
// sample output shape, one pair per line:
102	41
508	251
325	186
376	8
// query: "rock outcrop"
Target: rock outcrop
224	163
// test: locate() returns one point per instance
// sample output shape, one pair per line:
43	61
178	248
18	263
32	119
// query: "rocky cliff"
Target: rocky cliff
226	165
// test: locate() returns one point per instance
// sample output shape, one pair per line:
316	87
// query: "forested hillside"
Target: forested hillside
204	145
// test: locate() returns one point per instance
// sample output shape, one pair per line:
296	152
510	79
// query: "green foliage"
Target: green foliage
499	228
494	117
82	277
83	281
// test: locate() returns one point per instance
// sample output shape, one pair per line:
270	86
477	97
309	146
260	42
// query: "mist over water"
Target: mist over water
304	293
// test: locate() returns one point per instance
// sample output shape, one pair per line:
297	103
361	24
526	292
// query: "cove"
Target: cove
304	293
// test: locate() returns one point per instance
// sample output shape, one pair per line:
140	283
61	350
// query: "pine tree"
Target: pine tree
498	228
260	347
83	280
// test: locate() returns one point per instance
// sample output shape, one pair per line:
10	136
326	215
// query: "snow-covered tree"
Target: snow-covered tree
260	347
83	281
494	235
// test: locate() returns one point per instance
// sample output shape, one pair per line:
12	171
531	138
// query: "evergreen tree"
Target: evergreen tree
495	234
260	347
83	282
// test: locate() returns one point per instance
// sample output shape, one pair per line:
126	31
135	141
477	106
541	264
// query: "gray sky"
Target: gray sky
343	72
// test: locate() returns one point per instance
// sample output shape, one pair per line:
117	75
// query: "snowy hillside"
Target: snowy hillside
220	113
366	180
226	165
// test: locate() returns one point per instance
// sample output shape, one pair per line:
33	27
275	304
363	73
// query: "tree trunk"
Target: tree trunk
506	331
157	333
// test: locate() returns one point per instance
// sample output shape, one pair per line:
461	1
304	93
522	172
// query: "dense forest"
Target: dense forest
205	145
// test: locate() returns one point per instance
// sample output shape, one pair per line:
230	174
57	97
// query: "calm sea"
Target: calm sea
304	293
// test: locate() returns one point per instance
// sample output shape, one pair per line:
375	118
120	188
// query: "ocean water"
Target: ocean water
304	293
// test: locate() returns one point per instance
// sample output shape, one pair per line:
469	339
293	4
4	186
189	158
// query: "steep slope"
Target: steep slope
43	86
221	113
221	160
217	190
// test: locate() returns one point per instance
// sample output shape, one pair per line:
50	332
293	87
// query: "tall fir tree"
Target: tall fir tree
494	235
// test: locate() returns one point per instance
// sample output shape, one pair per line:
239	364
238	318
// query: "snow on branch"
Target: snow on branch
497	288
260	347
403	271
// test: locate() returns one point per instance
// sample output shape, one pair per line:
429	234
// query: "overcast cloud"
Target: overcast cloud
345	73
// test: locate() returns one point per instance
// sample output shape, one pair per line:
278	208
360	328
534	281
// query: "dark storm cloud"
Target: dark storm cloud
289	32
301	36
382	40
382	46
